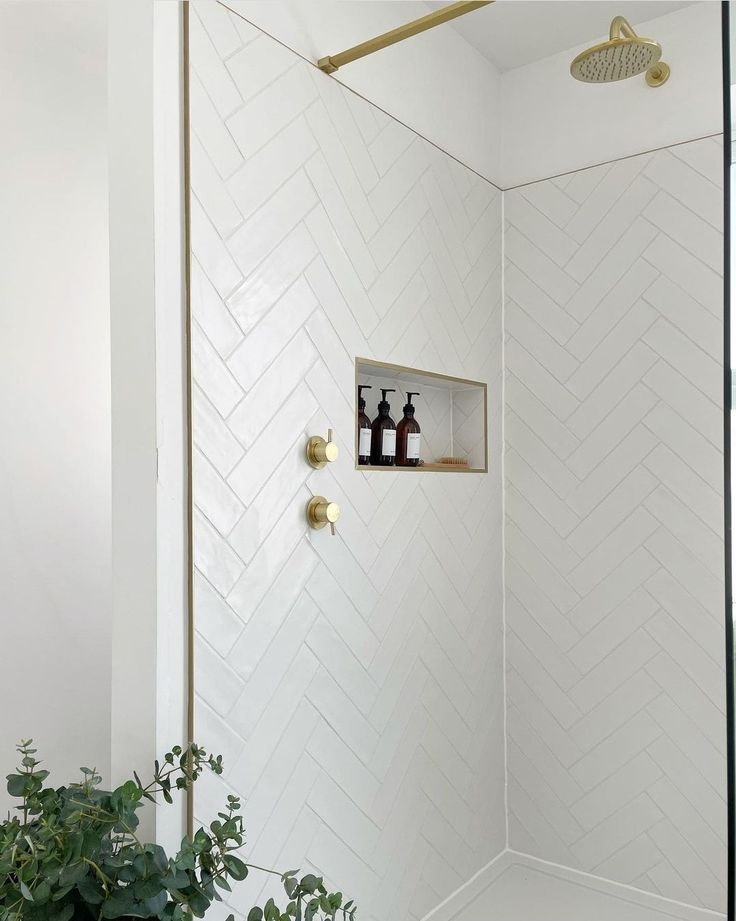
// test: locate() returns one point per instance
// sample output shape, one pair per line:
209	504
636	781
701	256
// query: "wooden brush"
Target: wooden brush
453	461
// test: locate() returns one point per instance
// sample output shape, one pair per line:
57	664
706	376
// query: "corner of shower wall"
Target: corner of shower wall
353	683
614	567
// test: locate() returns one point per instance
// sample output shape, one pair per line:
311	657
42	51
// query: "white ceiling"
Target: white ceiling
511	33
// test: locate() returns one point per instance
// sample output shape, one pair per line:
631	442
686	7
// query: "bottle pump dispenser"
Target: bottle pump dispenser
383	438
364	428
408	437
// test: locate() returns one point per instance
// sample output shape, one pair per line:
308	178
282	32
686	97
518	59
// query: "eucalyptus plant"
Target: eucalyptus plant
73	853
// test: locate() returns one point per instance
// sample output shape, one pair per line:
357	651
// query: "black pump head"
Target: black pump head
409	408
383	406
361	399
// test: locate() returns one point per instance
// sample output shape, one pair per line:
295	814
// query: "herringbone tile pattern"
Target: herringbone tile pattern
614	522
354	684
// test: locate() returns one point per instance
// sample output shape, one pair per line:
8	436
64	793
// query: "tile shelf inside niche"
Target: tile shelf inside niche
451	411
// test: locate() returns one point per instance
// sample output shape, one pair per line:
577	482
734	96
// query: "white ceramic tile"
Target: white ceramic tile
257	65
269	112
209	128
699	195
261	175
268	226
213	496
211	70
686	270
212	254
211	314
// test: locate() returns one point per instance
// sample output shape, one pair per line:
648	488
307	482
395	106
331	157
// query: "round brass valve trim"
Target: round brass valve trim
321	451
322	512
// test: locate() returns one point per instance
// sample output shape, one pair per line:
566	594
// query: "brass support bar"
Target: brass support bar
332	62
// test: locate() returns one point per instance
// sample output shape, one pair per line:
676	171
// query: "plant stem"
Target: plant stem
105	879
254	866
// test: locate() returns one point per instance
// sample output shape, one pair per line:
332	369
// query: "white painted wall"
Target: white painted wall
88	136
133	344
553	124
437	83
55	392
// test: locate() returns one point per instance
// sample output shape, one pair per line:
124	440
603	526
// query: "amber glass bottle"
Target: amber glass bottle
383	437
408	437
364	428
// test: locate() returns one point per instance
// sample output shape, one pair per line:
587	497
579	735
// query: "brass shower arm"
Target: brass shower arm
619	27
332	62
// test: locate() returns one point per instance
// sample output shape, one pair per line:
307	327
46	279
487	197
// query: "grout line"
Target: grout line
640	153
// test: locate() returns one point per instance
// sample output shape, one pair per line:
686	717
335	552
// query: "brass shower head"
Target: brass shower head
625	54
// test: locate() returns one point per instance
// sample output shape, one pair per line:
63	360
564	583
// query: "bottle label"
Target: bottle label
413	443
388	444
364	442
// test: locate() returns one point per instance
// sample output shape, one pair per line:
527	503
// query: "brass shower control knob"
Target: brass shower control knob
321	451
321	512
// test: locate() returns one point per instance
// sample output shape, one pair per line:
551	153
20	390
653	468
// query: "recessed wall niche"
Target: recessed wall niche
451	412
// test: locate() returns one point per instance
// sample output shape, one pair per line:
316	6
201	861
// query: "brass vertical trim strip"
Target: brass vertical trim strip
332	62
186	126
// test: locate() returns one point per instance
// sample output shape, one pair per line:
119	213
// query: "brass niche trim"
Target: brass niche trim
422	372
333	62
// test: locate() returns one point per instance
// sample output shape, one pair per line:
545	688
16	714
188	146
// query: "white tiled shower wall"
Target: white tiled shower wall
614	555
355	684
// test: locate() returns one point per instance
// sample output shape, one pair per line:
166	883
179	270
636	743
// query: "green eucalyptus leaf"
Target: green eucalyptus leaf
90	890
156	903
25	891
235	867
16	784
64	914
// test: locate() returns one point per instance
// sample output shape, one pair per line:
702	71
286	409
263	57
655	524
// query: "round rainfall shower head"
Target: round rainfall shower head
624	55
